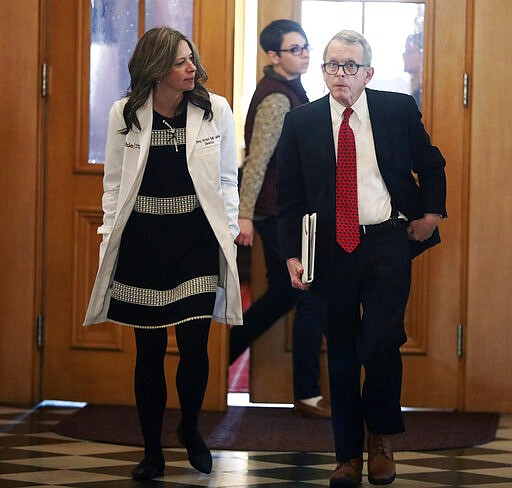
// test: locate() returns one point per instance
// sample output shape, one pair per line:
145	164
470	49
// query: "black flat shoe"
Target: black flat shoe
150	467
199	456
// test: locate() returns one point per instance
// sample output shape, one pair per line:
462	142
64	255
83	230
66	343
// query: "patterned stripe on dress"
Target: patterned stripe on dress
168	137
166	206
160	298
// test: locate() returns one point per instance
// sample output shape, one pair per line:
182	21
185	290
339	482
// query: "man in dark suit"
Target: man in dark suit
399	194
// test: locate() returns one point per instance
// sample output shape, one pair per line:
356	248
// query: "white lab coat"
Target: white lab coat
212	163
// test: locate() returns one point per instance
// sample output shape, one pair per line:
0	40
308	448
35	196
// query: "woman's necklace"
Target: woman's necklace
170	108
173	139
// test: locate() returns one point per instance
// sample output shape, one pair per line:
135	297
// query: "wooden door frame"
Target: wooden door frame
218	59
87	208
21	217
487	231
445	122
23	176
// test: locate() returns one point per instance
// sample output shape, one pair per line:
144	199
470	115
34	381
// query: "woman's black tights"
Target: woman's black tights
191	378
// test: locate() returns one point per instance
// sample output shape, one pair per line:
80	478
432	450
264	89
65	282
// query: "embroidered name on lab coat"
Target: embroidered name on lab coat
131	145
209	141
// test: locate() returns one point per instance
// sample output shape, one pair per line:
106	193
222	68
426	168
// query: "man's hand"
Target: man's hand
296	269
423	228
246	236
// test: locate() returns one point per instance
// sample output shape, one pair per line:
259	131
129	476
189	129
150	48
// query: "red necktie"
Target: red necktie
347	217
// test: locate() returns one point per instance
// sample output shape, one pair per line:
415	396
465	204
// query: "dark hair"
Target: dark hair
153	57
271	36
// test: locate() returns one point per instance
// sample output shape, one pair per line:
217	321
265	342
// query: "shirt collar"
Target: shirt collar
360	108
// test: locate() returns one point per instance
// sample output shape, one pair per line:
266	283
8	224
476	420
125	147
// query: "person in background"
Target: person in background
362	160
413	63
170	218
279	91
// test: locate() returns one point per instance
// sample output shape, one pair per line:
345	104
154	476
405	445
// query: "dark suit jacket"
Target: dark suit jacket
411	167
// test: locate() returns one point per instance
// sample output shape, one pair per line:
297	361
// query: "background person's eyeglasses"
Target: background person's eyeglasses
297	50
350	68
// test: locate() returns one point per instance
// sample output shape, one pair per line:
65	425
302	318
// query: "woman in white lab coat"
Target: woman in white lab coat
168	256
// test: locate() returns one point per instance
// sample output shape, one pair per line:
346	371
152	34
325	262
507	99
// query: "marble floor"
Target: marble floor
32	455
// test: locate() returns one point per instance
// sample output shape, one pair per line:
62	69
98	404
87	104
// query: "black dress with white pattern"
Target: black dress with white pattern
168	265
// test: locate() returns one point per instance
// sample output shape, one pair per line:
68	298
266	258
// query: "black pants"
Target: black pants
365	328
278	299
191	377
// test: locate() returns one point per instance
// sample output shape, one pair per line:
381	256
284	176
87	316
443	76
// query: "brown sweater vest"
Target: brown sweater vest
265	204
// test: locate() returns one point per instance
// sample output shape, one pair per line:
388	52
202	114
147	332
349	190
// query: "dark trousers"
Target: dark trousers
365	328
278	299
308	332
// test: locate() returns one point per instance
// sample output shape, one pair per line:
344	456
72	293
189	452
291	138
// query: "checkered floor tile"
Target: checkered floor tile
32	455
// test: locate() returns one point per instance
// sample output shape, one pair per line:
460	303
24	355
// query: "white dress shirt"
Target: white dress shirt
374	200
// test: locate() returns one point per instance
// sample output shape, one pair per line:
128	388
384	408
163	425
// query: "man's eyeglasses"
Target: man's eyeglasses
350	68
297	50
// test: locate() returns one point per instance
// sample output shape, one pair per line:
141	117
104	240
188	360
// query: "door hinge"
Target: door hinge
465	90
44	79
460	337
40	331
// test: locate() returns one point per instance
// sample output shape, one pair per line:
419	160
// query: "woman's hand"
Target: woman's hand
246	236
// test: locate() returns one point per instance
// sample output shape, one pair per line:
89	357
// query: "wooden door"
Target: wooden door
95	364
271	378
21	187
432	367
489	307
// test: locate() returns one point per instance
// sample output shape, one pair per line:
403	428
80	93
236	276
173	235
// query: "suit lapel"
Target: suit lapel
135	161
379	121
194	121
146	122
321	124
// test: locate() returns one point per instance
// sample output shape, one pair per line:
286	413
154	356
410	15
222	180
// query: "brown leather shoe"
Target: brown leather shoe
381	466
322	409
348	474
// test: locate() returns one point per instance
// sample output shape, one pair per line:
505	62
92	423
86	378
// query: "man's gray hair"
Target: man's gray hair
353	37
